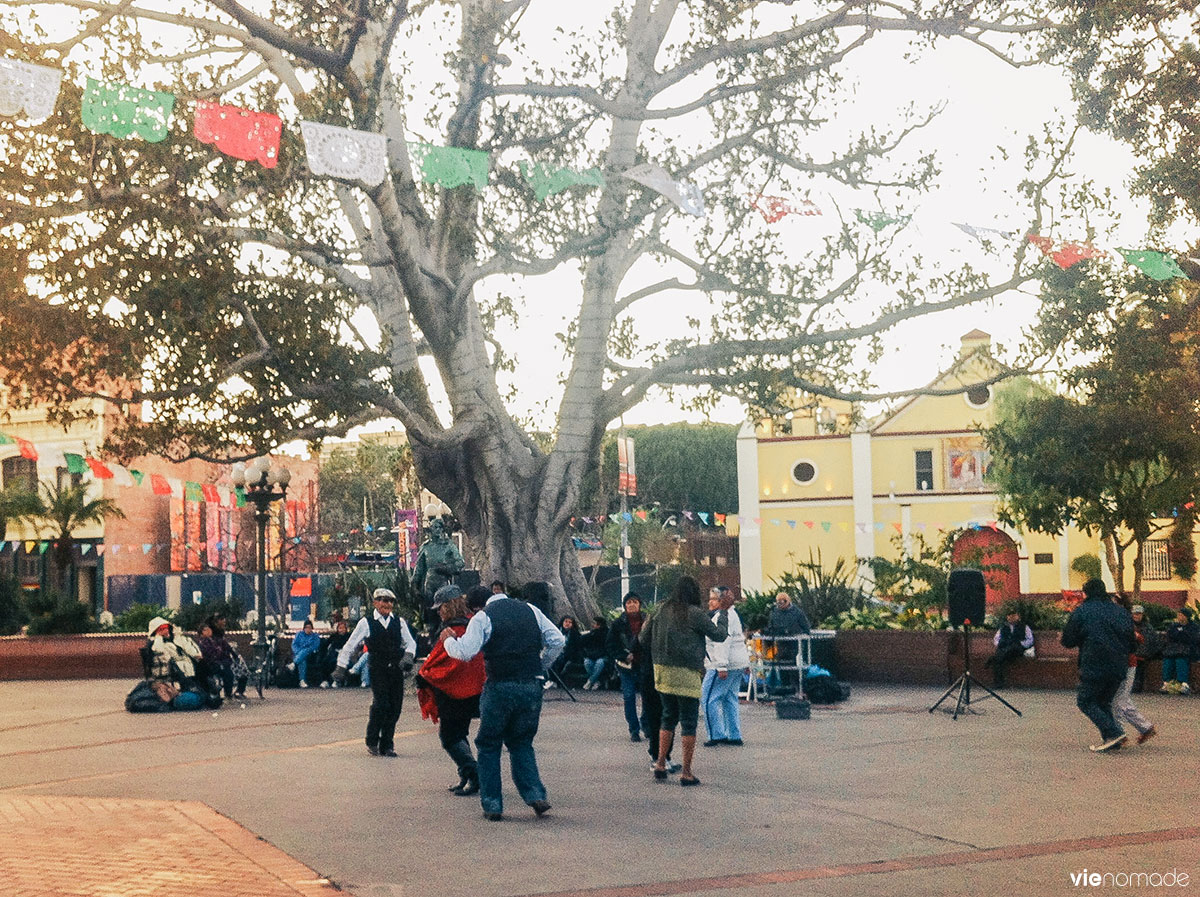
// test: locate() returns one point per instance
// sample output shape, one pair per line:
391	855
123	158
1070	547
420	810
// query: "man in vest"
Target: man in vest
519	644
391	651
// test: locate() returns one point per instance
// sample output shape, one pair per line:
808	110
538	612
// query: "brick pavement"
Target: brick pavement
104	847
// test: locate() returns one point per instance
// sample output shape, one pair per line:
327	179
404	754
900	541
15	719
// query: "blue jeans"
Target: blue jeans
363	670
629	691
1095	698
1176	669
509	712
719	697
300	659
595	667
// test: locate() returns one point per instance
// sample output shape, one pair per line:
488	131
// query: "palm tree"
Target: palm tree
66	508
17	504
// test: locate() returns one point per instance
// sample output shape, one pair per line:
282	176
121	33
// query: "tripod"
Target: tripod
963	684
553	674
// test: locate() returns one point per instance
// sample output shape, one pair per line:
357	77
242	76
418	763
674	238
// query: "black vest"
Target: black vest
514	649
385	645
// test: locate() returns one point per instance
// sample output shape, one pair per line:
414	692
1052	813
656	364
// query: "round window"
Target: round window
979	396
804	472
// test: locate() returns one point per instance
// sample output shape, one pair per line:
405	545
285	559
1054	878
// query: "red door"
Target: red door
996	554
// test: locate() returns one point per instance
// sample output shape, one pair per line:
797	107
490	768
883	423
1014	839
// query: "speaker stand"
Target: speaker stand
962	685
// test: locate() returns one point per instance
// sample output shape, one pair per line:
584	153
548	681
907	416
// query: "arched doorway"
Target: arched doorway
994	552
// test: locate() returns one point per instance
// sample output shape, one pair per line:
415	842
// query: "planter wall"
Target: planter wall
93	656
936	658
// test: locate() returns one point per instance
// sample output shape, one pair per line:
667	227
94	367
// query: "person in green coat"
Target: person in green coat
676	637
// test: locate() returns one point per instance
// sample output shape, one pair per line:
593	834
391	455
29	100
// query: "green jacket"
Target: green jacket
676	644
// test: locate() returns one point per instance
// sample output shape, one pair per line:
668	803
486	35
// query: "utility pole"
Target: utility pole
626	485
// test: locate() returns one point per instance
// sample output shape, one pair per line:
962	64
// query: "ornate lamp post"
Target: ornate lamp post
263	484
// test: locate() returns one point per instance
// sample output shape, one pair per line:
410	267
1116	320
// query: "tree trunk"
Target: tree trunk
1115	556
1137	571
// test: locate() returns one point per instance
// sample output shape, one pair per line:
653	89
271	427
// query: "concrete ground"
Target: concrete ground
877	796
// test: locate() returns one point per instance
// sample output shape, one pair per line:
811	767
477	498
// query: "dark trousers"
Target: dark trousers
1095	697
629	692
387	689
454	724
651	718
1003	656
509	713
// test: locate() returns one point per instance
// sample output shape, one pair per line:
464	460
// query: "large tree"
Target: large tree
1117	450
241	301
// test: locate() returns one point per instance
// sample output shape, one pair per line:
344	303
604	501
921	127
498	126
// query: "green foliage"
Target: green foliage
138	616
16	505
1158	615
755	608
1088	566
362	486
917	579
913	619
822	594
1181	546
189	616
13	613
1036	613
53	614
679	467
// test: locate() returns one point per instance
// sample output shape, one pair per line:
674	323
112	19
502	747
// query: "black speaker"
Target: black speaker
967	593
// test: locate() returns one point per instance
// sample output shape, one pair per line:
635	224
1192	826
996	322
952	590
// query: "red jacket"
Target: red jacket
453	678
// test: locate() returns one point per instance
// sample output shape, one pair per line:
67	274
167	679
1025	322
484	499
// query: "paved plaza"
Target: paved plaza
875	797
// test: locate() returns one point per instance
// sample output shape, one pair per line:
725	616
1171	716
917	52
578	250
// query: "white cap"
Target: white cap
384	593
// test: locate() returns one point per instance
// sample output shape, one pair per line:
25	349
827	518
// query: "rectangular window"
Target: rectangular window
1043	558
924	470
1156	561
65	478
20	473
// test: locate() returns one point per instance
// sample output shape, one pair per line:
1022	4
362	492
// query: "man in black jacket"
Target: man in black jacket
1103	633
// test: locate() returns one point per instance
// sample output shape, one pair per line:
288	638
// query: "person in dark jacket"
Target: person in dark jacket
1103	633
1012	640
787	619
626	653
1179	650
572	654
676	635
594	645
1149	646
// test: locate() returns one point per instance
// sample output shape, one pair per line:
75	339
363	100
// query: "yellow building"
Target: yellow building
820	484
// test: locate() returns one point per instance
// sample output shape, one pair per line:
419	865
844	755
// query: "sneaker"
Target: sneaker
1184	689
365	685
1111	745
1167	688
324	685
373	751
673	768
493	817
336	685
303	684
541	807
291	666
1147	735
547	685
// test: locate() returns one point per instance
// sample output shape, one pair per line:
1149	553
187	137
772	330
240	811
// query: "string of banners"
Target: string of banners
186	490
126	111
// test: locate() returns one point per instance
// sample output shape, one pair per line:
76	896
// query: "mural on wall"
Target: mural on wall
967	463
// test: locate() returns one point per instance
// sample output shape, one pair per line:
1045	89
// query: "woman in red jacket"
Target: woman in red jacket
448	689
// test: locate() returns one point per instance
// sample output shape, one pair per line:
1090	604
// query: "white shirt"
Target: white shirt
479	630
730	654
363	629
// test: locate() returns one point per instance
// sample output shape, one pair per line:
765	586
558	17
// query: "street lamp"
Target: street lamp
262	485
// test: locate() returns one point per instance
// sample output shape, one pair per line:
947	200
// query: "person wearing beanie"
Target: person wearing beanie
1123	706
1181	648
1149	646
1103	633
391	652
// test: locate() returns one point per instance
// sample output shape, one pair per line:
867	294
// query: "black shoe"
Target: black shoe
472	787
734	742
688	783
541	807
713	742
462	783
660	773
635	737
388	753
493	817
373	751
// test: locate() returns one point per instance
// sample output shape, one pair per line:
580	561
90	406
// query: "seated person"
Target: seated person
220	657
1149	645
339	637
305	644
173	656
1012	640
594	646
571	659
1181	647
362	669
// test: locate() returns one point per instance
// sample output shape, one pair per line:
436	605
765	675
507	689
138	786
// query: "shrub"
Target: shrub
1088	566
138	617
1036	613
755	608
1159	615
54	614
821	593
13	613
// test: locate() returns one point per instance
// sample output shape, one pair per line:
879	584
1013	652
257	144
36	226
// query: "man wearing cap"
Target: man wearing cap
173	654
1149	645
519	643
391	653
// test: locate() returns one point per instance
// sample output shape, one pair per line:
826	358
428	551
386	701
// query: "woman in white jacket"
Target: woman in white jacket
724	664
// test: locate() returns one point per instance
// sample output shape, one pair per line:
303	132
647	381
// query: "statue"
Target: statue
438	561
